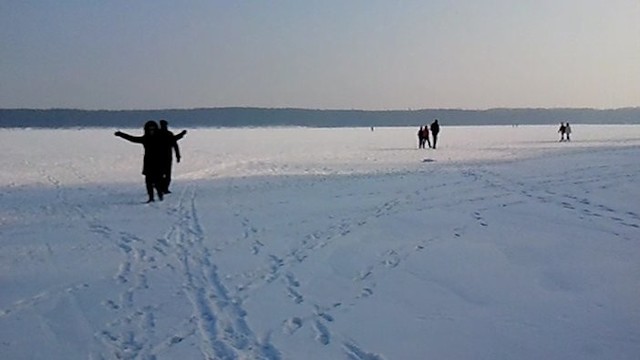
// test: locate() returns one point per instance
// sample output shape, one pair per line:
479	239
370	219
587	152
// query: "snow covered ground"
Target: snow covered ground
294	243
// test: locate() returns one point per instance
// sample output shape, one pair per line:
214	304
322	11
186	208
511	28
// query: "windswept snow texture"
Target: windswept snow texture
294	243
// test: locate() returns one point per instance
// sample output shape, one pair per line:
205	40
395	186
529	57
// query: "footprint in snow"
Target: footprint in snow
366	292
292	325
294	295
355	353
322	333
392	259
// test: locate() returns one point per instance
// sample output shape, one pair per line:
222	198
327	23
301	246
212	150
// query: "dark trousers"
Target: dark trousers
153	182
435	140
166	177
166	181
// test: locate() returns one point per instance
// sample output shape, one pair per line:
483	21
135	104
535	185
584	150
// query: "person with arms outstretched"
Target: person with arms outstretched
152	163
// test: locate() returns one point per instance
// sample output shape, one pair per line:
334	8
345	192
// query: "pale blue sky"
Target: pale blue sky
326	54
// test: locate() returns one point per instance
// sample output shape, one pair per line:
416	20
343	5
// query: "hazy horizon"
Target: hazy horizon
325	55
318	109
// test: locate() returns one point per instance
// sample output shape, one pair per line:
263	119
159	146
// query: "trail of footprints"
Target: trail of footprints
129	334
310	243
543	192
218	318
320	319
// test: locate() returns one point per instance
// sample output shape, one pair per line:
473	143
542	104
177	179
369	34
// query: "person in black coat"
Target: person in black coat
420	138
435	129
152	164
170	146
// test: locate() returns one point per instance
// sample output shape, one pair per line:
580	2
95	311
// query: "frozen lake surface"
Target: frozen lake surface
302	243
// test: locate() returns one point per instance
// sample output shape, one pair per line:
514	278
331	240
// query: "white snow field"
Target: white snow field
303	243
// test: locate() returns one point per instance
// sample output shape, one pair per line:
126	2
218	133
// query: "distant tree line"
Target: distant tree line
261	117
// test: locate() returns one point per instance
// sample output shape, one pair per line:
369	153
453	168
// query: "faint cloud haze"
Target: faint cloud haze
320	54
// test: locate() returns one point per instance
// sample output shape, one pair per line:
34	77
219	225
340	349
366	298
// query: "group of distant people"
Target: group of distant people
565	132
423	135
159	145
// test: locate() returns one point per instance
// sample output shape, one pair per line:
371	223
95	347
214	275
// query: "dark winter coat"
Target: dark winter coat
435	128
154	151
170	142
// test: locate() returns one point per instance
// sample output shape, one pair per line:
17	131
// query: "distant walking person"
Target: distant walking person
153	160
435	130
425	135
562	130
421	138
567	130
170	145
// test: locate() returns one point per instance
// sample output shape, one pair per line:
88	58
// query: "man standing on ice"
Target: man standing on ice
435	129
170	142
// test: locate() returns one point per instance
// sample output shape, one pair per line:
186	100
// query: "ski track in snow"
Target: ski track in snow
224	332
218	320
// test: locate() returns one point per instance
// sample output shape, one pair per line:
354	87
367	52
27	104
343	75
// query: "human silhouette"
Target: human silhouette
567	131
420	138
562	130
152	164
170	142
435	130
425	135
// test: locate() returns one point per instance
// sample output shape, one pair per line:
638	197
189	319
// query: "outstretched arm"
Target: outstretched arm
176	148
180	135
135	139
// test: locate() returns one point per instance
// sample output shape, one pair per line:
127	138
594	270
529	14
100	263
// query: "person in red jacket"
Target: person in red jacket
425	135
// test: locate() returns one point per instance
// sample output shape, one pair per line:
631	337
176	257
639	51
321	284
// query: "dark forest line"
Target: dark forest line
262	117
